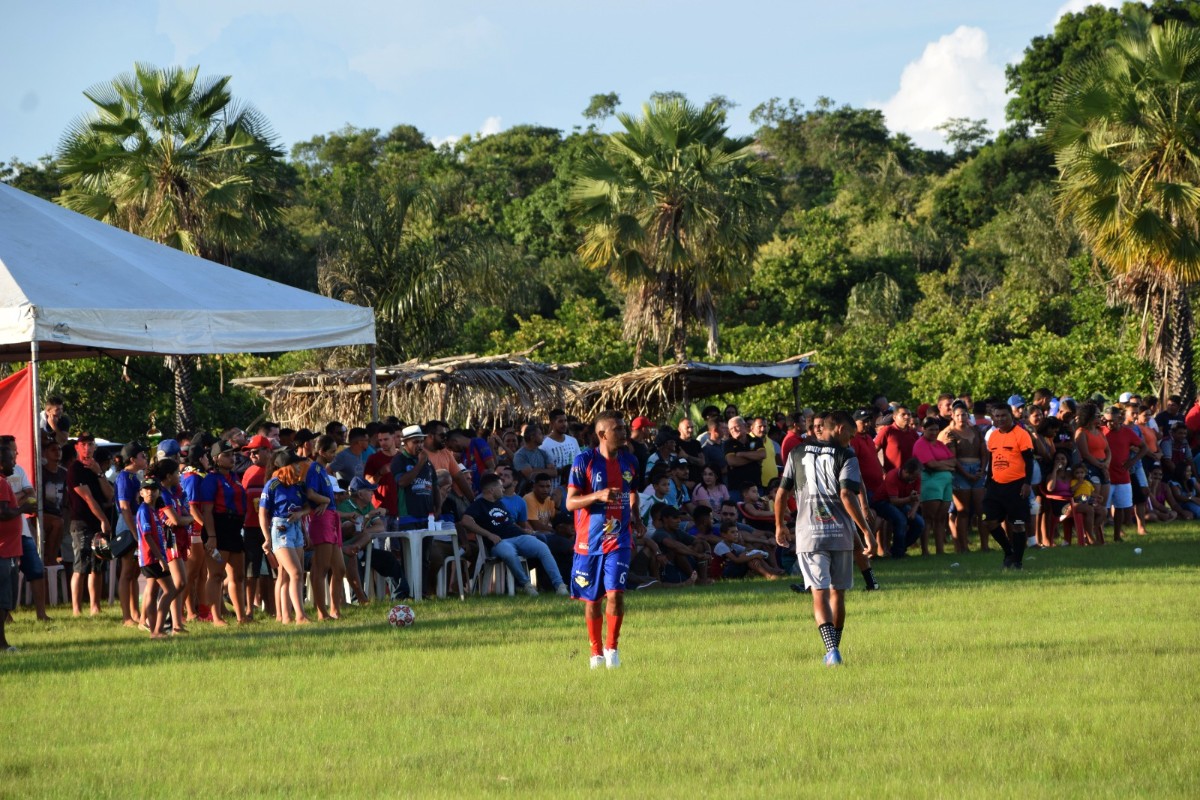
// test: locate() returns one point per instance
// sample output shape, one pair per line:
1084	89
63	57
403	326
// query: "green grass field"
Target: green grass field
1077	677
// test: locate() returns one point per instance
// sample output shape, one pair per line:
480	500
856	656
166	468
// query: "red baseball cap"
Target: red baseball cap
258	442
642	422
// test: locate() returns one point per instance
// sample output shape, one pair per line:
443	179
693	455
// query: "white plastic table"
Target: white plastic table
413	563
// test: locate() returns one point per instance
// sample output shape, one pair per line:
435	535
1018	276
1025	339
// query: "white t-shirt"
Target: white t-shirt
19	482
562	454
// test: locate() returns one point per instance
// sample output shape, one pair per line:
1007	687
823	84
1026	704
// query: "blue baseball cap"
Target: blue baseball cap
1016	401
168	448
361	483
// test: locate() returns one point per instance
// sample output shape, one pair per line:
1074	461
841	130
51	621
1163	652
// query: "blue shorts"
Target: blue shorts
286	534
976	481
31	562
594	576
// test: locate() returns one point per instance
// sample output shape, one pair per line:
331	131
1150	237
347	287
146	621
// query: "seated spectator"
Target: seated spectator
902	508
1160	502
488	519
477	455
710	491
737	561
688	556
1175	449
756	510
530	461
1186	492
679	495
1088	512
517	505
658	487
361	522
702	526
664	449
546	521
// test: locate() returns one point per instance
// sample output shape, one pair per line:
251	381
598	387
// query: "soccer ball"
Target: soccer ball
400	616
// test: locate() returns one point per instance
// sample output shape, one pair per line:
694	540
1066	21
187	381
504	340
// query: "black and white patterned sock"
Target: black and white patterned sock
869	577
837	638
828	635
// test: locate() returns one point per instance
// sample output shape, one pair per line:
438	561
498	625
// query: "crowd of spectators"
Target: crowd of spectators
202	522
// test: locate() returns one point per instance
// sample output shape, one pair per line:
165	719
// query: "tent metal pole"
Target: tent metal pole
374	389
37	447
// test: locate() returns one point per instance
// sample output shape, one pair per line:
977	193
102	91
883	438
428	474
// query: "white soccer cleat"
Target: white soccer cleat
561	590
612	658
531	590
597	662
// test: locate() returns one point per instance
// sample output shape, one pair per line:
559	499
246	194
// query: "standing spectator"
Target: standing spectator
1127	450
281	508
744	455
129	493
325	533
531	461
204	569
561	447
795	435
414	476
378	471
937	477
437	436
713	447
687	448
351	461
54	497
230	506
336	431
54	423
770	462
478	457
640	438
31	565
1094	452
968	484
10	543
87	491
828	518
895	442
258	574
664	449
1172	412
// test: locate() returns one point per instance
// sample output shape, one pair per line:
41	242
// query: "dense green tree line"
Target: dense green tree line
908	271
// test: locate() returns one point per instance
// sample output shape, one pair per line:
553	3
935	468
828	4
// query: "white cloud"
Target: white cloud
954	77
1075	6
490	127
414	52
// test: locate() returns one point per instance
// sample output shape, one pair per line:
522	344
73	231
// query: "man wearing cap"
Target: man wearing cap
128	492
1017	404
415	476
641	439
664	449
367	523
304	443
167	448
260	586
87	490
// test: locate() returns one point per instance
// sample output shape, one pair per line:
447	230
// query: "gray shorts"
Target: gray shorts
827	569
9	568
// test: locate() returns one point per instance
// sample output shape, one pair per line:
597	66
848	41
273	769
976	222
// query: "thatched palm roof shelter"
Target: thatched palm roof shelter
657	391
459	389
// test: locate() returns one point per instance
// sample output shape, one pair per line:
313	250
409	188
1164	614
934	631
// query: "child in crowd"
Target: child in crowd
737	561
1088	517
1184	490
152	557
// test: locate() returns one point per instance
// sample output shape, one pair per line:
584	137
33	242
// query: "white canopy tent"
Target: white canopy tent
75	287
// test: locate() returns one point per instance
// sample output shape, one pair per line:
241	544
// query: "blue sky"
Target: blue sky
452	68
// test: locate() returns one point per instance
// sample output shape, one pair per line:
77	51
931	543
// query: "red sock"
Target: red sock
593	625
614	631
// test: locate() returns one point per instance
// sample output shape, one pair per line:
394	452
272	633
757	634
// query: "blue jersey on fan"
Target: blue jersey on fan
280	500
603	527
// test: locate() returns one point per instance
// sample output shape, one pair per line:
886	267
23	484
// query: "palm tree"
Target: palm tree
675	210
1126	136
174	158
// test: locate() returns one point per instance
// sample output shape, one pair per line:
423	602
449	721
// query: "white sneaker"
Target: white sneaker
561	590
1066	515
597	662
612	659
531	590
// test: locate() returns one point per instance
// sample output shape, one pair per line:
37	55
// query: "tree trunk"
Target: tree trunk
1175	358
185	407
714	332
679	332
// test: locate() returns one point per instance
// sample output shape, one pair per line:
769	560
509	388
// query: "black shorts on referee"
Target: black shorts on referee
1002	502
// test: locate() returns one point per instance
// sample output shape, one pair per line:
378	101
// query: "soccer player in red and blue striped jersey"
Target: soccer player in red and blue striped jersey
600	494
